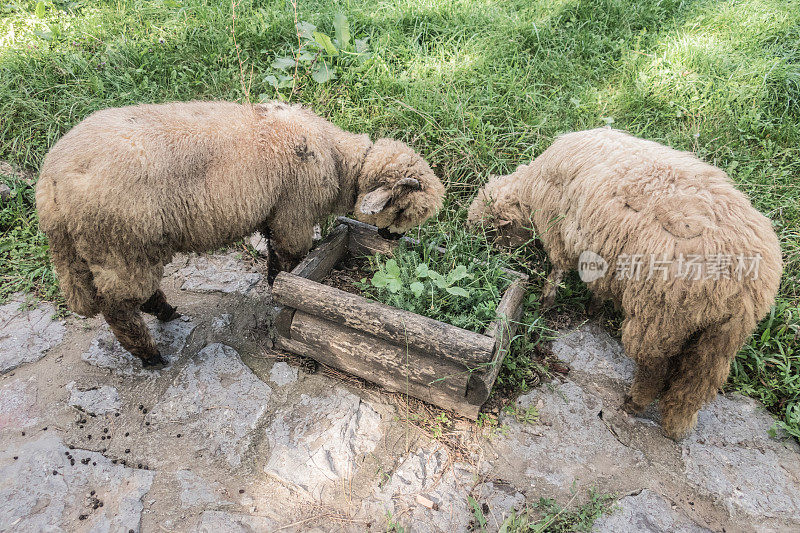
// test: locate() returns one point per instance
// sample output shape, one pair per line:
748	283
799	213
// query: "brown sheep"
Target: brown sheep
129	187
709	264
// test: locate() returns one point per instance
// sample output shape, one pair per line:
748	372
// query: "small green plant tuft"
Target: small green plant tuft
549	516
464	294
317	56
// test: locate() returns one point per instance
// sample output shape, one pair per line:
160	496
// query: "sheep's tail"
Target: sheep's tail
702	368
74	276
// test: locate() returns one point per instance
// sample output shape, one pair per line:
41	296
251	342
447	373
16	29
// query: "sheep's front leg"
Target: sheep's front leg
290	241
131	332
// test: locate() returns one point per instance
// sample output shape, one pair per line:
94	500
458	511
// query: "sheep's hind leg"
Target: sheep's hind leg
131	331
703	368
652	344
551	287
157	306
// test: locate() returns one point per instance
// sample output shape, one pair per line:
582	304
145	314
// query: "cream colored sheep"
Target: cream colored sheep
708	263
127	188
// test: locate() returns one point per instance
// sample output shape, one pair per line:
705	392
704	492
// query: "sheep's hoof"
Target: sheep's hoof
388	235
154	362
168	313
631	407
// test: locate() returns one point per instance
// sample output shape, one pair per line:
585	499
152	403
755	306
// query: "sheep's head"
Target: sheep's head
497	211
397	188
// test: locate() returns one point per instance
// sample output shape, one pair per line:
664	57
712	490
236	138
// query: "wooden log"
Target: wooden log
283	321
502	329
395	325
319	262
335	353
379	356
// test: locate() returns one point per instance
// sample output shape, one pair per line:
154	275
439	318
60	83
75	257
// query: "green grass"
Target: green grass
549	517
25	262
477	86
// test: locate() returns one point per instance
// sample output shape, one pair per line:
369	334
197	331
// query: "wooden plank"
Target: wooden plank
376	355
383	321
364	369
319	262
502	329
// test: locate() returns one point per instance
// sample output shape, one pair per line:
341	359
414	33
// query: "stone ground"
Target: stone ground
230	437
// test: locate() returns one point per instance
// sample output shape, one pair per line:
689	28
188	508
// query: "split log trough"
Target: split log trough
402	351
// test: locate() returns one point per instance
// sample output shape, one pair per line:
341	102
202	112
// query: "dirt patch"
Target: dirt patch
347	273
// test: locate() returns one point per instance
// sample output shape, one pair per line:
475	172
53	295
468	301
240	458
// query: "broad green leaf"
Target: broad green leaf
422	270
460	272
379	279
394	285
438	279
305	56
392	267
342	27
325	42
457	291
40	9
272	80
322	73
282	63
306	30
417	288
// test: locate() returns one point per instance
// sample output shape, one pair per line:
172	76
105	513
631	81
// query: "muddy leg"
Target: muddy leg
131	331
703	369
157	306
652	342
550	288
289	243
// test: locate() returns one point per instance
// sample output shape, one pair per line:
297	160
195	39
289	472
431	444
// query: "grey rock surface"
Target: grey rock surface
732	457
646	512
320	440
217	273
570	442
197	491
259	243
224	522
427	472
217	400
589	348
106	351
94	400
282	374
27	333
18	408
5	193
41	490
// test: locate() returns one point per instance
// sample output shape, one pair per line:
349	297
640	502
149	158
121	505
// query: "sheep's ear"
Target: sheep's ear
410	183
375	201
